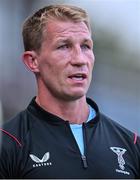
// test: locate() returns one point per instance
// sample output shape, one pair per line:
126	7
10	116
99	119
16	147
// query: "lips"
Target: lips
78	76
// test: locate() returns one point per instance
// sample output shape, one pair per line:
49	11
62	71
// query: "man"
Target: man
62	134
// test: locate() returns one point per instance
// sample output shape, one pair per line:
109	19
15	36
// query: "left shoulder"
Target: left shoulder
113	128
120	130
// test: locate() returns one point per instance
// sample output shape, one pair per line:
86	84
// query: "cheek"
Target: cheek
60	62
46	68
62	54
53	67
91	58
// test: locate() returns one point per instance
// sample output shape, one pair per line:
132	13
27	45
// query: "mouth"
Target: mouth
78	76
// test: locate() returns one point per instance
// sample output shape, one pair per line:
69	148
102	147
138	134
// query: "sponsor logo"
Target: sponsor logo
121	162
41	162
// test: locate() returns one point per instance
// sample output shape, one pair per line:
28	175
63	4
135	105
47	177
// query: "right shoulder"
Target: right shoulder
14	131
12	142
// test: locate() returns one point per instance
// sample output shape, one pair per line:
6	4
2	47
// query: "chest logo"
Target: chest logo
41	162
120	152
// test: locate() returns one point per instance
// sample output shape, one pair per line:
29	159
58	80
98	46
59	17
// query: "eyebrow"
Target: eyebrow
62	40
88	40
66	40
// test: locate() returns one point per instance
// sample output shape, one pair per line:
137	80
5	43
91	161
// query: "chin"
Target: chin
75	95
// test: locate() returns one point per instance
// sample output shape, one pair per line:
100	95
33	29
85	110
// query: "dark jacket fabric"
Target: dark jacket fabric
38	144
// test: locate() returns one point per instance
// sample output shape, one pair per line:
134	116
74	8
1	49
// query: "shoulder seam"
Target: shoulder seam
135	138
12	136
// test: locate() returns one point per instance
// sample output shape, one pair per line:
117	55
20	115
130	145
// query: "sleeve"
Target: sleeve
9	157
138	153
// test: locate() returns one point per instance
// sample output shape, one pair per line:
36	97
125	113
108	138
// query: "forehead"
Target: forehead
63	29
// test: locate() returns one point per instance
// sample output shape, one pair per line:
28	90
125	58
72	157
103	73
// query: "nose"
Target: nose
78	57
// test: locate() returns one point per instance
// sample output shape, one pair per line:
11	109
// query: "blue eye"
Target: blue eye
85	46
64	46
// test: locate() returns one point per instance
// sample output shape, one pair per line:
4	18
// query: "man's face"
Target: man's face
66	59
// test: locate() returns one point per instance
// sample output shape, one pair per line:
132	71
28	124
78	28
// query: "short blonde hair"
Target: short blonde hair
34	25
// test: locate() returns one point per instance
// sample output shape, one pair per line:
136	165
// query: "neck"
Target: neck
75	111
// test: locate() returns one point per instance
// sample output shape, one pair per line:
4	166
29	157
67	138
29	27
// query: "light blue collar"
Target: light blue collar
92	113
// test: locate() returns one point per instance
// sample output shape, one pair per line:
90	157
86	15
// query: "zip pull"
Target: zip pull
84	161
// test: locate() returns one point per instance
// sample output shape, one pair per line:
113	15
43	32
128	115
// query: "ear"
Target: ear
31	61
